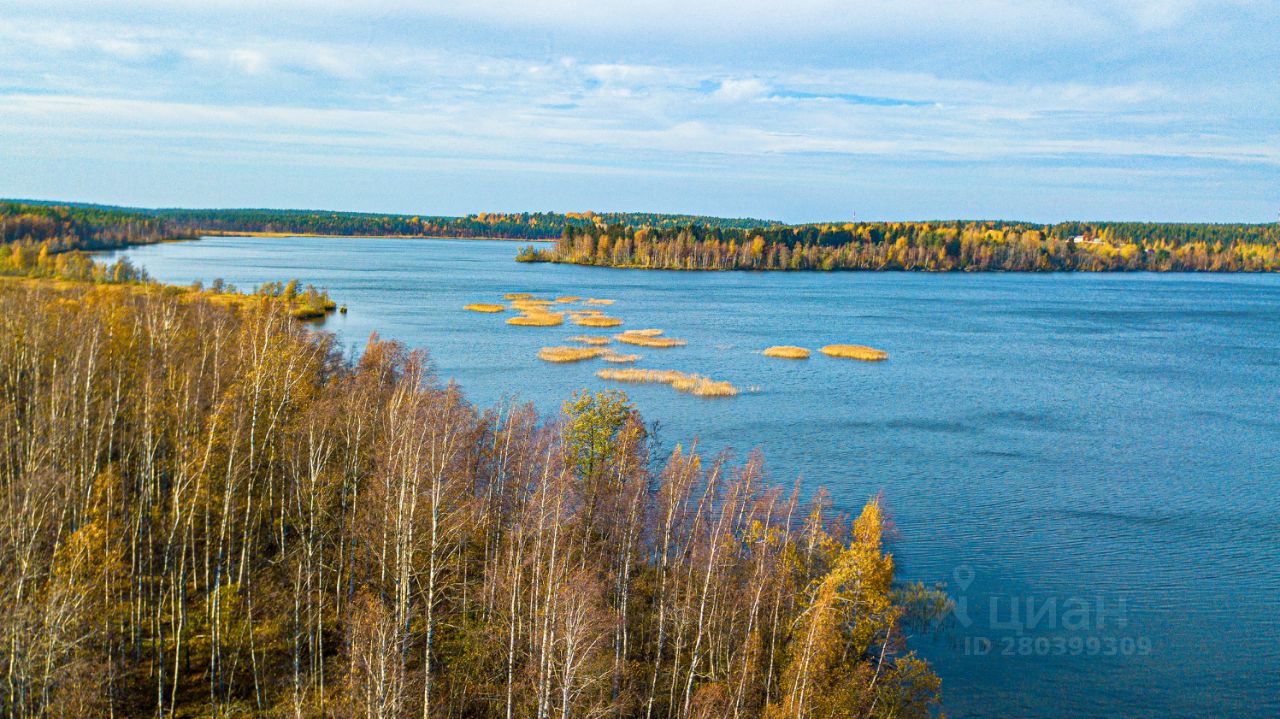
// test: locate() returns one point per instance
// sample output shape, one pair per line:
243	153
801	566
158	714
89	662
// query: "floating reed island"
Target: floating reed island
595	320
694	384
485	307
597	301
567	299
569	354
649	338
787	352
531	305
537	318
591	339
517	296
616	358
858	352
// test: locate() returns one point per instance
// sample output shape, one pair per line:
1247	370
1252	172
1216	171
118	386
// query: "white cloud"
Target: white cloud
709	18
297	84
253	62
741	90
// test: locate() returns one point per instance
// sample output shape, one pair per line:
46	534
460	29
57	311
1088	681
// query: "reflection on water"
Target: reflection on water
1089	461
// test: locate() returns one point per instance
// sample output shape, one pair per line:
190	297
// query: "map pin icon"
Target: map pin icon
963	575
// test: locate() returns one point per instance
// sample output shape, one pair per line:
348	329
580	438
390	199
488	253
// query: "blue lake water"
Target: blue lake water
1091	462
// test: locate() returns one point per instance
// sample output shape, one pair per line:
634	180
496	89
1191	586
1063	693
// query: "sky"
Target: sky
796	110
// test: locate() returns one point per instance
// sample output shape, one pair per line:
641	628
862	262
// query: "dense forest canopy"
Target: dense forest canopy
205	511
933	246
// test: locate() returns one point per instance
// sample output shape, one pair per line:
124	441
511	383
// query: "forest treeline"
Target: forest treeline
207	511
658	241
974	246
93	227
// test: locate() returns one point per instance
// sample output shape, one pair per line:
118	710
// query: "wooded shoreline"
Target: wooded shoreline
206	511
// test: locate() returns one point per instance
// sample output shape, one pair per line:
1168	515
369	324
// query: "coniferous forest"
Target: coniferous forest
206	511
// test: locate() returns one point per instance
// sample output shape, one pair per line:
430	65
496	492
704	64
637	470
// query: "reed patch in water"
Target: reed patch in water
591	339
569	354
597	301
527	305
617	358
647	340
485	307
858	352
566	299
694	384
786	352
596	320
645	333
537	319
517	296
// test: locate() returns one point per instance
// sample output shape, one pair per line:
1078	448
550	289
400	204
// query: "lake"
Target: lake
1090	462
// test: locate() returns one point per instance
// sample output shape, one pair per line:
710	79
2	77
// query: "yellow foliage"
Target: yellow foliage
485	307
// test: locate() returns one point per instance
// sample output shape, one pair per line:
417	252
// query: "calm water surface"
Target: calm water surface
1091	462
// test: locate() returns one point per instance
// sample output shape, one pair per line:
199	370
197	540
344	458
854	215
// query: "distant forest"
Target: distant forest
682	242
928	246
101	227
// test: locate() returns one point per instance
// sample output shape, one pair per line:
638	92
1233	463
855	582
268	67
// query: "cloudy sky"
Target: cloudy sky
796	110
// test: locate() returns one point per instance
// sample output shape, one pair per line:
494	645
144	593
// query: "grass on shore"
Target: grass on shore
694	384
569	354
485	307
300	307
787	352
858	352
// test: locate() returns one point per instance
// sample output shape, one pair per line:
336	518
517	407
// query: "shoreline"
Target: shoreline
909	270
246	233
